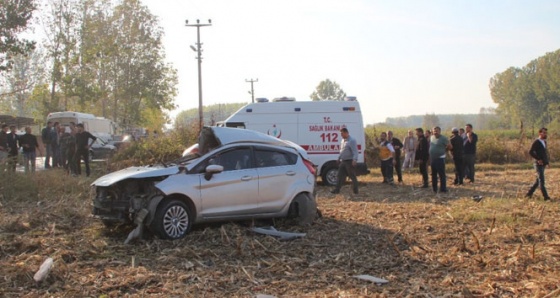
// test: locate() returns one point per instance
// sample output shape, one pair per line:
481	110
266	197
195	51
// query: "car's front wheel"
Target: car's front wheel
172	220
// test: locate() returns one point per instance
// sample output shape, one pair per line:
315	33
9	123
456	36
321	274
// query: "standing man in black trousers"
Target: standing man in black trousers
422	155
539	152
457	143
397	145
347	161
82	148
469	152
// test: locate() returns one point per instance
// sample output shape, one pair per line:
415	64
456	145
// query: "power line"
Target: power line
198	49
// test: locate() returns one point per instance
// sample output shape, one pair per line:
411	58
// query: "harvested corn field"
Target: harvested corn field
423	244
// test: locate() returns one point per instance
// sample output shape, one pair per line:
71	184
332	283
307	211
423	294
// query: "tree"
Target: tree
327	90
215	113
61	25
21	79
531	94
430	121
14	19
140	78
108	60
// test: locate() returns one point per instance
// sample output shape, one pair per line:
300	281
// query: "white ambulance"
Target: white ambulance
97	126
314	125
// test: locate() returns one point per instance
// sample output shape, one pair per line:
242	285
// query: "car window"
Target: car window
274	158
231	160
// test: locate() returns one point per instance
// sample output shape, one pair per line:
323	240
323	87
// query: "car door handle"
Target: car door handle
246	178
290	173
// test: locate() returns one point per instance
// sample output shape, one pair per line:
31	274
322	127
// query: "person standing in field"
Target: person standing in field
469	152
55	145
13	139
347	160
4	144
409	146
439	145
457	151
397	145
68	151
539	152
82	148
422	155
46	137
30	146
387	157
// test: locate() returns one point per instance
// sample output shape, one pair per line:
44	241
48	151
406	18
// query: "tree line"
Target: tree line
97	56
529	96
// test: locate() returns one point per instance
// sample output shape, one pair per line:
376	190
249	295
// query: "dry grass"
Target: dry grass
426	245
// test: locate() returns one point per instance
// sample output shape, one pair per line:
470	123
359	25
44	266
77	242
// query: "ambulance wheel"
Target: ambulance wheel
330	175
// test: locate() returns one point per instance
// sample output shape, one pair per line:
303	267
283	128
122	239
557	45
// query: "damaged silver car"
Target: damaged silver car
233	174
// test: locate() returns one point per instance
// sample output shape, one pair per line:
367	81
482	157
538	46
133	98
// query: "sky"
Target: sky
398	57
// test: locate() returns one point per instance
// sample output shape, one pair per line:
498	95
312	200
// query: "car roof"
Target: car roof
228	135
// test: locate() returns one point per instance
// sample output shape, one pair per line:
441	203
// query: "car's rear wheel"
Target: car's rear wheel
303	209
172	220
329	175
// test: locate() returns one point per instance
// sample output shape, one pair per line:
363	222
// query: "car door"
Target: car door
233	192
277	175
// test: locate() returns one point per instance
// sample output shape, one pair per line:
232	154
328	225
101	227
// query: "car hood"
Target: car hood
135	172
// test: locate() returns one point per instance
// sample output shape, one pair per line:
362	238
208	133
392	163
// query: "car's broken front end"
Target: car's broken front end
120	196
124	200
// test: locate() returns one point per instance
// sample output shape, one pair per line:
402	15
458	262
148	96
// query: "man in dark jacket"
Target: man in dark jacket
457	151
4	143
82	148
422	155
12	148
397	145
30	146
469	152
539	152
46	137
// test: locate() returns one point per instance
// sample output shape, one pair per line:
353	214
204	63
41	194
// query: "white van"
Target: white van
314	125
98	126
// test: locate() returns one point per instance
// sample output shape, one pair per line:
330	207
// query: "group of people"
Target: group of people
428	147
431	147
10	145
65	147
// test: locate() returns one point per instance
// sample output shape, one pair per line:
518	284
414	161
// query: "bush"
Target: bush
162	148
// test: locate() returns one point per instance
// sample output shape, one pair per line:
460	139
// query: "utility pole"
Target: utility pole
252	92
198	49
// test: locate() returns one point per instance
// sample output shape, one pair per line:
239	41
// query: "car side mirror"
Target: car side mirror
211	170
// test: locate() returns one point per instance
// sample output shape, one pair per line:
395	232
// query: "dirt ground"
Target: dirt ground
423	244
